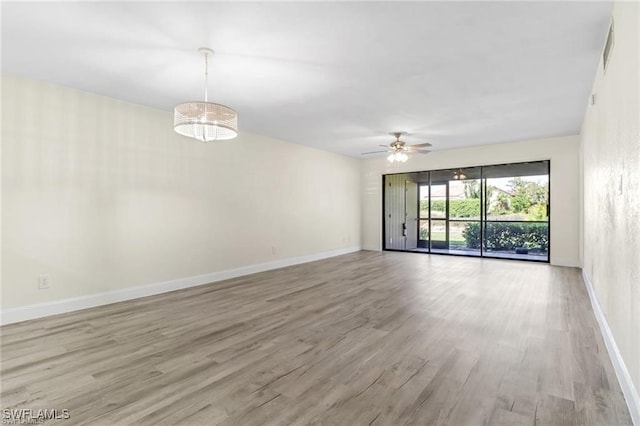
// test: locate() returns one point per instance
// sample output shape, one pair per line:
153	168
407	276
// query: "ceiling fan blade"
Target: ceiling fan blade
384	146
420	145
372	152
421	151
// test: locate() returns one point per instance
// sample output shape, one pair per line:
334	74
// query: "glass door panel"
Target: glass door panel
424	201
439	235
423	214
517	211
465	202
423	234
411	215
438	201
464	237
439	231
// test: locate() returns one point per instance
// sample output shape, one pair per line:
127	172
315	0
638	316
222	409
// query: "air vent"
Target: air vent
608	47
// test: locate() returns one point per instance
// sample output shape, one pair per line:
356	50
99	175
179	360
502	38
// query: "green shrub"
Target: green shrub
438	205
467	207
471	235
508	236
424	233
537	212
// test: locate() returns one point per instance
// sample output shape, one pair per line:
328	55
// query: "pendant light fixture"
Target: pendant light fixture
205	121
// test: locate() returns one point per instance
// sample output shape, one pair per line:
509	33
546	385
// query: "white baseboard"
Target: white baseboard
628	389
39	310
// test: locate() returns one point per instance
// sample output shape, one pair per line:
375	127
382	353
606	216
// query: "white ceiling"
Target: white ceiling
333	75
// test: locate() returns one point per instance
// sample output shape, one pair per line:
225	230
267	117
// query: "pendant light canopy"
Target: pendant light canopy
205	121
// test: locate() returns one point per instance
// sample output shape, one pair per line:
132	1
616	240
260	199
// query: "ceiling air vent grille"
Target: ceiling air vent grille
608	47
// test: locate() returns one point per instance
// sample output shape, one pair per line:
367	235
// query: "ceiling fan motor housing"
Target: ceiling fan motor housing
397	146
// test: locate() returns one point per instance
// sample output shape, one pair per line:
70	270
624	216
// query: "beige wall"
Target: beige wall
610	146
102	195
563	153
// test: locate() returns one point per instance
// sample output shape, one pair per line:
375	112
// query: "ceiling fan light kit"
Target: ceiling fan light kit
205	121
399	149
459	175
399	157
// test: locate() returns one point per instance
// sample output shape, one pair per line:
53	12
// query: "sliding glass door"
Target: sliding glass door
493	211
516	223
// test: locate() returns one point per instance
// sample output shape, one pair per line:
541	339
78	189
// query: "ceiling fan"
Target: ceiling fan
399	149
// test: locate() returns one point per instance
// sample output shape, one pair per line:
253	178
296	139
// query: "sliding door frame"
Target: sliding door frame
483	213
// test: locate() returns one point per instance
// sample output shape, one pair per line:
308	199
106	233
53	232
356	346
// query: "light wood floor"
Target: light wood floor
363	339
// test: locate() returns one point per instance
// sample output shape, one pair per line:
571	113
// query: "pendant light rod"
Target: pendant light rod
206	52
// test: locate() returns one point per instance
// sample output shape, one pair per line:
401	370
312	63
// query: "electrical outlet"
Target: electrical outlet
44	282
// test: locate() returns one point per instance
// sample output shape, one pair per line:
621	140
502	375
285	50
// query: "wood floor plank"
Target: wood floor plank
369	338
